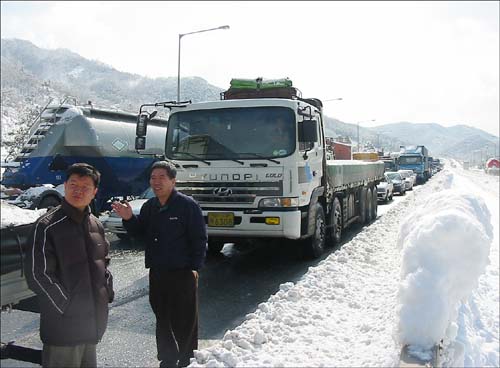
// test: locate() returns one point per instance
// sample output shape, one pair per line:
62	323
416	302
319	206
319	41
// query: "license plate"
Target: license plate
220	219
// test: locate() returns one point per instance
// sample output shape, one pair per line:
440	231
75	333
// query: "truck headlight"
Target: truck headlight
279	202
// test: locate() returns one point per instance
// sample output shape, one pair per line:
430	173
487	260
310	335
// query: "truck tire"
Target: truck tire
315	245
369	206
49	201
215	246
336	222
374	204
362	206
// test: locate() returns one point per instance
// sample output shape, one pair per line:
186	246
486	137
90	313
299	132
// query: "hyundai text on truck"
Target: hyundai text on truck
256	163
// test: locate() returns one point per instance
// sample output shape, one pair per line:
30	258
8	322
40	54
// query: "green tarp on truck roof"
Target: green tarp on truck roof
260	83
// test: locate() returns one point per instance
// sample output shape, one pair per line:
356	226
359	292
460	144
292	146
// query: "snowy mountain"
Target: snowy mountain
31	76
458	141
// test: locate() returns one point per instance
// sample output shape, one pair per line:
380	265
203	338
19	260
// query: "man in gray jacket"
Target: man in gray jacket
67	268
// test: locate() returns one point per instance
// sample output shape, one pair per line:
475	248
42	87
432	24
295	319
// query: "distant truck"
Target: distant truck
390	163
253	183
64	134
338	150
365	156
415	158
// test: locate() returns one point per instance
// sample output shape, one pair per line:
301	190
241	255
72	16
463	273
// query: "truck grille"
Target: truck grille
230	192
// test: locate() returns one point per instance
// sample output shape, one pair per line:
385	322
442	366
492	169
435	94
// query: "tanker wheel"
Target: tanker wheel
336	223
315	245
49	202
369	206
215	246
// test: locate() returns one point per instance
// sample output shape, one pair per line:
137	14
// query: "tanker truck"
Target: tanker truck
256	163
64	134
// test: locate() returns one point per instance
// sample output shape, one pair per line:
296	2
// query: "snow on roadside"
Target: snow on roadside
446	243
13	215
341	313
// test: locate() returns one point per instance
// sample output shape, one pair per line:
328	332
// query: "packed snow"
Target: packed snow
389	286
426	270
446	242
14	216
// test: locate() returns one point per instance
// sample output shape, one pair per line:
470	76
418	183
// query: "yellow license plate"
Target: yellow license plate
220	219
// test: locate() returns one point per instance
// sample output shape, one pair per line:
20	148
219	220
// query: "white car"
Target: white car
113	223
408	178
385	190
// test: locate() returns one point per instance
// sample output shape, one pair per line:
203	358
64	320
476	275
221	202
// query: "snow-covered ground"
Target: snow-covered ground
436	248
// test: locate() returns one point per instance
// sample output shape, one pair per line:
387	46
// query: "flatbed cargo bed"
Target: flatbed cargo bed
344	174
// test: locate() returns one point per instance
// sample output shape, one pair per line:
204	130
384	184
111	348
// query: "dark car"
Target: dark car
397	181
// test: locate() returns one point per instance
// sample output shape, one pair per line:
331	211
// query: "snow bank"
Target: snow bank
445	246
13	215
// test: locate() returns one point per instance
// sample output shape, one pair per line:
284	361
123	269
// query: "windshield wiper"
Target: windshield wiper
227	158
193	156
260	156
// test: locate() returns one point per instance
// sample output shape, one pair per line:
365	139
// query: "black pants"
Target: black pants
174	299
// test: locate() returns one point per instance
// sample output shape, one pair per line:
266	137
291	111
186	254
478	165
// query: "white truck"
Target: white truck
256	163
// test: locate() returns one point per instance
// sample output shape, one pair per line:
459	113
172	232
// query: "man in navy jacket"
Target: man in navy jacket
175	234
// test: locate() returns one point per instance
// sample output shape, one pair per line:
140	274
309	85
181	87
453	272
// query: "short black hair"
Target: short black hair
83	169
167	166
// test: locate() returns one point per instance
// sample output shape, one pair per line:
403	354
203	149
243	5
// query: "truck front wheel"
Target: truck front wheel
48	202
315	245
215	246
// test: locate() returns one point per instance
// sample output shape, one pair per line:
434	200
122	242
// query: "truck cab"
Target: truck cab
251	164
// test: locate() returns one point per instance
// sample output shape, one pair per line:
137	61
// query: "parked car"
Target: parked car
113	223
385	190
407	176
398	182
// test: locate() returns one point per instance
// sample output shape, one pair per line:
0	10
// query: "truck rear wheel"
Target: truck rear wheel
362	205
315	245
369	206
336	223
374	204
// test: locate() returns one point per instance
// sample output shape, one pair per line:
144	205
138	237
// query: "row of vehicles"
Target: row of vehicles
395	182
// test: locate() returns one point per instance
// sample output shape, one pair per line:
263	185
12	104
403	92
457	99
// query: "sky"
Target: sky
421	62
426	269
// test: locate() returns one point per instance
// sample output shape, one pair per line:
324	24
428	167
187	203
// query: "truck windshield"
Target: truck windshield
231	133
410	160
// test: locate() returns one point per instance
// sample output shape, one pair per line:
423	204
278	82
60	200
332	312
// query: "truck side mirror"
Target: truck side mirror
308	131
142	125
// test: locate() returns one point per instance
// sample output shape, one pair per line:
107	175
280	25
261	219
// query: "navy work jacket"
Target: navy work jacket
175	234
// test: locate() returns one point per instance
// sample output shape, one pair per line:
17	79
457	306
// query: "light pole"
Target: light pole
359	122
179	56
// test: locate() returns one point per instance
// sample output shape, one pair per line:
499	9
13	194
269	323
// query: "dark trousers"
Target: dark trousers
69	356
174	299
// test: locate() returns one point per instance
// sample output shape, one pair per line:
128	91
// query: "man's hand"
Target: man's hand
122	209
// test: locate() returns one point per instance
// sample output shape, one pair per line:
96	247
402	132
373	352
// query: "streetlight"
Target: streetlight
359	122
179	56
333	99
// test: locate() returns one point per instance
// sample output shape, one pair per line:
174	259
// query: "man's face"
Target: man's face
79	191
160	182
